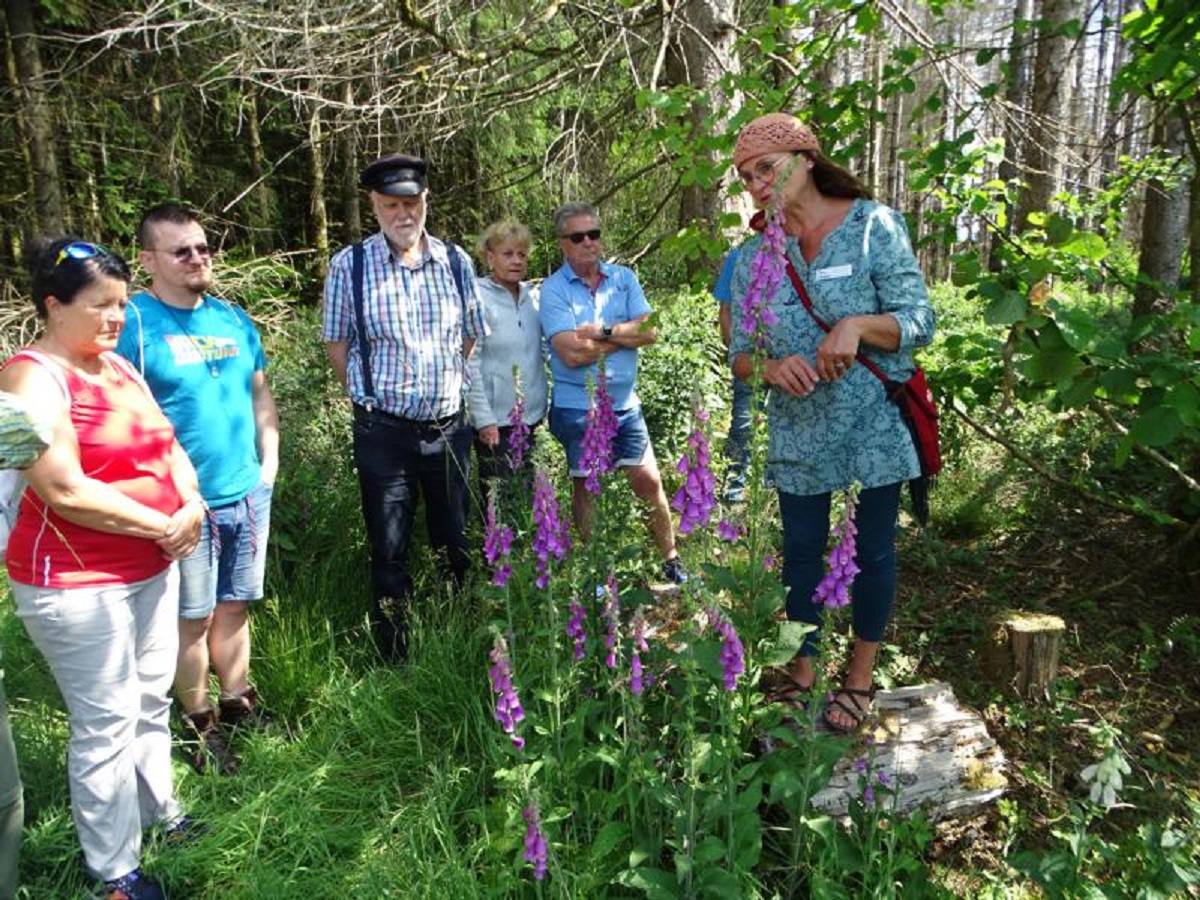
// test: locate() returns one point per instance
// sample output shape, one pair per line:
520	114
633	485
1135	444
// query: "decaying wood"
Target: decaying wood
937	754
1021	652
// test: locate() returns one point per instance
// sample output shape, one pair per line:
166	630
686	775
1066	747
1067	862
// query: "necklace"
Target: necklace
213	369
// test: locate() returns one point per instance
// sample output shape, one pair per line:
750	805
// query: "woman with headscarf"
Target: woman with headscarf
830	422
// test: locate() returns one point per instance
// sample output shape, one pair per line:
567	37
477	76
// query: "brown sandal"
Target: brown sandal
857	712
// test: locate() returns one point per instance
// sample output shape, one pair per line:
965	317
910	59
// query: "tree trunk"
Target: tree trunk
348	150
262	232
1164	228
707	53
320	219
1043	148
38	118
1022	652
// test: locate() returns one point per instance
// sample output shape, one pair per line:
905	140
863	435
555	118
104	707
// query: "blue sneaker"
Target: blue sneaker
133	886
674	572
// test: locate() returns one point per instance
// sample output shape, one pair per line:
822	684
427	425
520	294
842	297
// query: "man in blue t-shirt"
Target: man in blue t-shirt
204	363
737	445
594	312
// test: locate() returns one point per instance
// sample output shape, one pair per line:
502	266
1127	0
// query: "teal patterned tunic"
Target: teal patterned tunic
845	430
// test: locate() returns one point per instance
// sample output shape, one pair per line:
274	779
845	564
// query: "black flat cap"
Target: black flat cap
397	175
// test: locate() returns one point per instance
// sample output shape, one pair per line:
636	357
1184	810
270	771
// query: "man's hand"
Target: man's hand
592	331
489	436
793	375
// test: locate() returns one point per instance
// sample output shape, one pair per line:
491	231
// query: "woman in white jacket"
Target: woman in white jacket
510	361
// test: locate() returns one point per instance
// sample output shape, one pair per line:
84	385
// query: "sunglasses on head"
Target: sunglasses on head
78	250
576	237
183	254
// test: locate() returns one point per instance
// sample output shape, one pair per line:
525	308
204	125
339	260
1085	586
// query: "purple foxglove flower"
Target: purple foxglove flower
697	497
766	274
733	654
575	627
497	543
551	538
860	765
611	614
637	681
883	778
596	456
834	589
868	795
508	711
536	848
519	437
729	531
770	561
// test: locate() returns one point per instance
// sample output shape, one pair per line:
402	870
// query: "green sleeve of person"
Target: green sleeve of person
23	436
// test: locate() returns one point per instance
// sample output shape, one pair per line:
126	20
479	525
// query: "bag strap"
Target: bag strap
456	269
804	298
50	366
357	275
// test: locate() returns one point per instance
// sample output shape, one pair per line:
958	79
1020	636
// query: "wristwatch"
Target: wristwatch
606	331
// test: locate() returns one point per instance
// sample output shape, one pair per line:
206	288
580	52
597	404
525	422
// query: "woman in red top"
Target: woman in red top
110	505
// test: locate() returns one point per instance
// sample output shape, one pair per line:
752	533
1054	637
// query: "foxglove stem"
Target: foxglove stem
536	848
497	543
519	436
834	589
697	497
575	627
508	711
551	538
611	614
596	456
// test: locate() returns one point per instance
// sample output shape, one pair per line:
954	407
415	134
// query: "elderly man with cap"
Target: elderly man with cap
401	317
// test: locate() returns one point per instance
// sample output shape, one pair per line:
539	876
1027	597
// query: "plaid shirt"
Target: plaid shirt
416	324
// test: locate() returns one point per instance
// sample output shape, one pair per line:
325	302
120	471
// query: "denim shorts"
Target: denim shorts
631	446
230	562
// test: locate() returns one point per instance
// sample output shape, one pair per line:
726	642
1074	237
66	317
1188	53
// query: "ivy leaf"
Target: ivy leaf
1156	427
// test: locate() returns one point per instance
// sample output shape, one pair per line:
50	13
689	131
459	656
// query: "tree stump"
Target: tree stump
936	754
1022	652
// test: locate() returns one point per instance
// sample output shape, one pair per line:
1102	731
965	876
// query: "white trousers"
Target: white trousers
112	651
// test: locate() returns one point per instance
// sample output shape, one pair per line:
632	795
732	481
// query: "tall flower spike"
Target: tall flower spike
575	627
834	589
733	654
611	614
536	848
508	710
596	456
497	543
697	497
551	539
519	437
766	274
637	680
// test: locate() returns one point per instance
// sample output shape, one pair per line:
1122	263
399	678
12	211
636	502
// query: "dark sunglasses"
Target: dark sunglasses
576	237
183	254
78	250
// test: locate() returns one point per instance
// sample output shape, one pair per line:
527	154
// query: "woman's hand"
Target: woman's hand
489	436
183	531
836	352
793	375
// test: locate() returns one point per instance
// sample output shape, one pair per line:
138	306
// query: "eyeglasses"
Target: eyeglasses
763	170
576	237
78	250
183	254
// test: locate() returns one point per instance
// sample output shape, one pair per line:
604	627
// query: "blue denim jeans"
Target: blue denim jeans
230	561
737	445
399	461
805	535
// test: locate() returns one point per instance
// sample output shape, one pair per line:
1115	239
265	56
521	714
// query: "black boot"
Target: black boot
205	746
244	711
389	628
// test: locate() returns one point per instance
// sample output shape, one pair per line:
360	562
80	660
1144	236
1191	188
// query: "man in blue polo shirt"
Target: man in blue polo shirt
593	313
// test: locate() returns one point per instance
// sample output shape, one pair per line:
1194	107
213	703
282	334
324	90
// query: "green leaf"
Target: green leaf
1086	244
1156	427
984	56
609	837
787	642
1077	327
1006	310
1184	398
1052	366
1058	229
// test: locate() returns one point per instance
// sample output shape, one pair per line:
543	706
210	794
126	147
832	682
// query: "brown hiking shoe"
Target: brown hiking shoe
244	711
205	746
